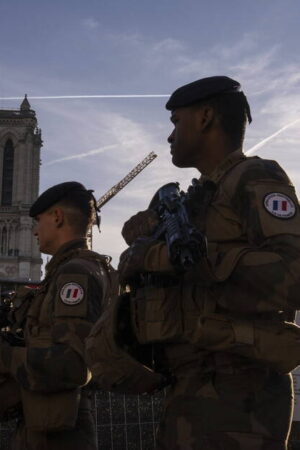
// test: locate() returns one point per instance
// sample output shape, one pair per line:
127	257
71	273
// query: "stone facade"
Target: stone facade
20	144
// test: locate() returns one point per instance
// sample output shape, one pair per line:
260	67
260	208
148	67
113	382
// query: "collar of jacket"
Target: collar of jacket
227	164
65	249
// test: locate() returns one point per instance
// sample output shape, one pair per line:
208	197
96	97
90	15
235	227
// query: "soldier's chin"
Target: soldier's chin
179	162
176	161
42	249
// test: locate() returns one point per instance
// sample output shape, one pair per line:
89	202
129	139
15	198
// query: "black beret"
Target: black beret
55	194
202	89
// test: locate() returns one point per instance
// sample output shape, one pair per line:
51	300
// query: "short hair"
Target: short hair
80	210
231	109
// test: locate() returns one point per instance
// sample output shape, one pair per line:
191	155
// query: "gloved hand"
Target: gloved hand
141	224
132	260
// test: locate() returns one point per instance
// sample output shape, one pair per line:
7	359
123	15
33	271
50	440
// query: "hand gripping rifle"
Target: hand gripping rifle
186	245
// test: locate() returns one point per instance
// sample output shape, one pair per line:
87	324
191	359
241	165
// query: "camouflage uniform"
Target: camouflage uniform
224	400
50	368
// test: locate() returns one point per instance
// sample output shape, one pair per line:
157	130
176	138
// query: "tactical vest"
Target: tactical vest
110	353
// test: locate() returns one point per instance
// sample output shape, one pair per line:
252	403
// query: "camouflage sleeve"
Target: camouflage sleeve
53	359
266	276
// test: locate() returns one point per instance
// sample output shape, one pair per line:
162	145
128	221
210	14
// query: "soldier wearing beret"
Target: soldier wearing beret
48	365
217	326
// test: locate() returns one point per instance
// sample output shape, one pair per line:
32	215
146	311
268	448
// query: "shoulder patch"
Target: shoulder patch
280	205
71	294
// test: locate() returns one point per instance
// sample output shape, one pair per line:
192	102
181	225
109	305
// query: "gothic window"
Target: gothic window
4	241
7	176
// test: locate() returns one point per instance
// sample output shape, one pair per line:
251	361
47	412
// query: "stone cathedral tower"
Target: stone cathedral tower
20	144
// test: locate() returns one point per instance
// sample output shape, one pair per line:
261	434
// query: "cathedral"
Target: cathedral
20	144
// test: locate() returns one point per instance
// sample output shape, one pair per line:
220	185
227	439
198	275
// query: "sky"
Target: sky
141	47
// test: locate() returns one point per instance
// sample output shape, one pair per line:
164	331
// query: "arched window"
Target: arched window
4	241
7	175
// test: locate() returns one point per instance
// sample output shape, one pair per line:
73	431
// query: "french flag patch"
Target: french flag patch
280	205
71	293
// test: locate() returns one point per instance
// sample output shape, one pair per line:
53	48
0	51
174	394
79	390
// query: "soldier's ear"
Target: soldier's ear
59	216
206	117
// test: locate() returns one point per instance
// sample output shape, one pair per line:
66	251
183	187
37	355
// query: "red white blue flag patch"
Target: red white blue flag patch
280	205
71	293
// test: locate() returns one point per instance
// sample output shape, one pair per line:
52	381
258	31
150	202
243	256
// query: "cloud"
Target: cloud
124	140
269	138
168	45
90	23
283	104
245	45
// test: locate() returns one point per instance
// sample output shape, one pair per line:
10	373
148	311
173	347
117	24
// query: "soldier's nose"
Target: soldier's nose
171	138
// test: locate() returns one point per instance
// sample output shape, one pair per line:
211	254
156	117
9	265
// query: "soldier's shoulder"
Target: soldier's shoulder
90	255
255	169
85	262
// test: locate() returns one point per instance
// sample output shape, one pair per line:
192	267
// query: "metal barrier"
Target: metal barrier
123	422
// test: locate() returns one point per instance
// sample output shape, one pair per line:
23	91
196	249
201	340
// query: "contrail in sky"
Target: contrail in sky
81	155
264	141
100	150
58	97
108	147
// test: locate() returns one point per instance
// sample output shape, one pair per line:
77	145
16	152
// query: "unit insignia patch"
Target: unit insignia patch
71	293
279	205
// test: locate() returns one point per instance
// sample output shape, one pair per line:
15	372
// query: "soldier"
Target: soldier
49	368
218	324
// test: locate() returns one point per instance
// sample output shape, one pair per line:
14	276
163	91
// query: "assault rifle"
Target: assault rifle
186	245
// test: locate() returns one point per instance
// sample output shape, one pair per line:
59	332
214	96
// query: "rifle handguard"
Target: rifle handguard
186	245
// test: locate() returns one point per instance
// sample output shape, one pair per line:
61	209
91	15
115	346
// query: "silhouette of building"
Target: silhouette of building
20	144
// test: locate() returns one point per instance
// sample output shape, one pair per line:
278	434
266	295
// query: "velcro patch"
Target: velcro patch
280	205
71	294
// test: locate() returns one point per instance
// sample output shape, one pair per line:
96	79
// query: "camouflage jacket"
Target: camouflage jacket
252	224
253	229
58	319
